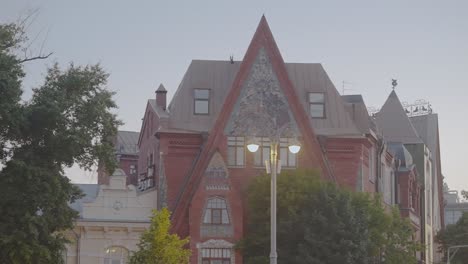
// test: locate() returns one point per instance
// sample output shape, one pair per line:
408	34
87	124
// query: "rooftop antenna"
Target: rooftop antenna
343	87
394	83
231	58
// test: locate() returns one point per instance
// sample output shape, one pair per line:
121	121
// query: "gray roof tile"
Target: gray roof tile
218	76
394	123
127	142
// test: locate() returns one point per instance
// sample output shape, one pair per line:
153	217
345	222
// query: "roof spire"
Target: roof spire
394	83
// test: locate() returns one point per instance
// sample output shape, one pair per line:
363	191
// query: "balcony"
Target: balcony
145	182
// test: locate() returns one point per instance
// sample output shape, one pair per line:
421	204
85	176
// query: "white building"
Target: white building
112	218
454	208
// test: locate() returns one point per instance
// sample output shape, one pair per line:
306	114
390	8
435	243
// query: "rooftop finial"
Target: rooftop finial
394	83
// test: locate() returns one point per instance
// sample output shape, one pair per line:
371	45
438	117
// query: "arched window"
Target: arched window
115	255
216	212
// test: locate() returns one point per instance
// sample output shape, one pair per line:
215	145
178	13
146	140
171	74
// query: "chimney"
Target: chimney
161	96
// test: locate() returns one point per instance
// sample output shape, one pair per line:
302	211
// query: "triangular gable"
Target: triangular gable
395	124
145	122
262	109
263	39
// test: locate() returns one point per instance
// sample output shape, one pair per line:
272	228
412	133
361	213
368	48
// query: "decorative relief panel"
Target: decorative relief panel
216	174
262	109
207	247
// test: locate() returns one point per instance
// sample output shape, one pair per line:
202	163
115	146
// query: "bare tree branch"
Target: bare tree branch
24	23
40	57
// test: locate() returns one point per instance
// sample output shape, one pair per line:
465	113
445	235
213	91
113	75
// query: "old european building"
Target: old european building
454	208
111	219
126	152
191	156
194	150
418	140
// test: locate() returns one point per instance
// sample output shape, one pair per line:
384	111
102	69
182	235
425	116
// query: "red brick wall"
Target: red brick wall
345	157
180	152
148	142
179	161
124	163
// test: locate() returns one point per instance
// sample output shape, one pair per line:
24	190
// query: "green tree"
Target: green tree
158	246
455	235
319	222
68	120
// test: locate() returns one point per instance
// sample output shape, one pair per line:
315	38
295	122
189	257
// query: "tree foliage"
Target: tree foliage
67	121
158	246
455	235
319	222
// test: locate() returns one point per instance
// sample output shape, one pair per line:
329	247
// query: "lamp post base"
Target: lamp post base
273	258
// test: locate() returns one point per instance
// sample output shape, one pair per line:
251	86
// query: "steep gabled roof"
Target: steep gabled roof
312	77
427	127
157	110
399	151
218	76
262	40
358	111
395	124
127	142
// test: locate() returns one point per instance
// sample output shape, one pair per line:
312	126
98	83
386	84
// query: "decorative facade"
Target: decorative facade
112	218
414	141
201	137
192	153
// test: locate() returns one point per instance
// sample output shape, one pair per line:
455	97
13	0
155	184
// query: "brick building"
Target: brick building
412	133
193	151
126	153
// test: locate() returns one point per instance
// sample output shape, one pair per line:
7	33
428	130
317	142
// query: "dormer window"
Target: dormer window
317	105
201	104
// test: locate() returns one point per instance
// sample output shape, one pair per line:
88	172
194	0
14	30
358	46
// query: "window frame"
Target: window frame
323	104
372	165
238	142
108	258
206	208
219	218
133	169
195	100
212	254
265	143
284	145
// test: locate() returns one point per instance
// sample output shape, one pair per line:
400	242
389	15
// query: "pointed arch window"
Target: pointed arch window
216	212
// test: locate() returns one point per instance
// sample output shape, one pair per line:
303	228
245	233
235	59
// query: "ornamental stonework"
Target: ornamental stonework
262	109
216	174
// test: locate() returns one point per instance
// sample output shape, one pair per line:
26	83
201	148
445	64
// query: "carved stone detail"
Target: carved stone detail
217	174
262	109
215	243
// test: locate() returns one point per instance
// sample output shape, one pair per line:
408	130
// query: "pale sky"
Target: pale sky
423	44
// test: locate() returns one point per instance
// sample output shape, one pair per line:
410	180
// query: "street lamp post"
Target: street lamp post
293	148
